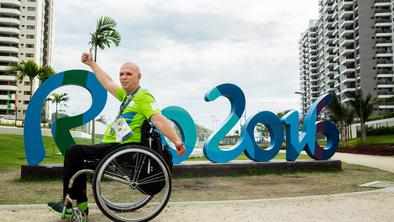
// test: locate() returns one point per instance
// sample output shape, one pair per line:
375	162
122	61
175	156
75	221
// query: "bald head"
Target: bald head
132	66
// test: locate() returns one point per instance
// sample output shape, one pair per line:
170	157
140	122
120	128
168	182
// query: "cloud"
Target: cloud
185	48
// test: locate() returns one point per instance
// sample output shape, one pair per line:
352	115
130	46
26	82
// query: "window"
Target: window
29	46
31	27
30	36
32	9
29	55
25	102
32	1
26	93
31	18
26	83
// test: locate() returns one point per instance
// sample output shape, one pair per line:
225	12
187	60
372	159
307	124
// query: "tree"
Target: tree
30	69
341	115
363	108
58	99
45	73
104	36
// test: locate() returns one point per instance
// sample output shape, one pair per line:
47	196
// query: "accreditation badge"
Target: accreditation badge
122	129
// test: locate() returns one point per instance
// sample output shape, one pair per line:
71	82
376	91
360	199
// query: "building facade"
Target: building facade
25	34
354	51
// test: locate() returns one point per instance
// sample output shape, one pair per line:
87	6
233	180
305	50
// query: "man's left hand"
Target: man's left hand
180	149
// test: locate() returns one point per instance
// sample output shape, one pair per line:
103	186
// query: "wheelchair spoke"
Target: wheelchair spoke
152	179
138	167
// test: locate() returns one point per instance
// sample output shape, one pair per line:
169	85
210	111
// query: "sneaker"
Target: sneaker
57	208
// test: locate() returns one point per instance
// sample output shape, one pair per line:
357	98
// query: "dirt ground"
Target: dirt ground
215	188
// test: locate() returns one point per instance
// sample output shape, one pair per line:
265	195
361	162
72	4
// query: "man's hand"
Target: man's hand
87	58
180	149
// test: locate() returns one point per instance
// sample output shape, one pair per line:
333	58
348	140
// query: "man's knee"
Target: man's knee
75	150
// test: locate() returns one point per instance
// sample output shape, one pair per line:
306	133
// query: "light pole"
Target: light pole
302	102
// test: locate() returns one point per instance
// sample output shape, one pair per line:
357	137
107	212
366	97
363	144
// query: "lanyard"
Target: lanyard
125	102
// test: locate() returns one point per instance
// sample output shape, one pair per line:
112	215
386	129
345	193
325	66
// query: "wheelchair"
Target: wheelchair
122	185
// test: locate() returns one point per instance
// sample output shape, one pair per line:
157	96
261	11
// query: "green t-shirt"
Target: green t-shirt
141	107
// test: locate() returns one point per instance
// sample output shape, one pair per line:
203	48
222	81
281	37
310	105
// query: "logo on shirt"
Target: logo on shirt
154	106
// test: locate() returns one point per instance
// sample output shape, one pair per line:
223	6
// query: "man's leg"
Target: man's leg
74	161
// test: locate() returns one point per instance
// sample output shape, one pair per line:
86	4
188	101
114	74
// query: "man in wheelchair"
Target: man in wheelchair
138	105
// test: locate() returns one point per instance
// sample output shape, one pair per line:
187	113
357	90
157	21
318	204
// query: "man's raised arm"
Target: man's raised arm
105	80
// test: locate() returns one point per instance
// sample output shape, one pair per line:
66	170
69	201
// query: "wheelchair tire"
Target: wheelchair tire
117	184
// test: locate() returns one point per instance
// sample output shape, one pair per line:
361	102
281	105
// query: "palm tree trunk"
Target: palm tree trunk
31	88
93	121
363	132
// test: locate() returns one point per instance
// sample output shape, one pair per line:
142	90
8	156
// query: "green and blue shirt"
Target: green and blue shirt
141	107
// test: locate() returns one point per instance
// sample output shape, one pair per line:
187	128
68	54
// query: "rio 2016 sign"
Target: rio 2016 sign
296	140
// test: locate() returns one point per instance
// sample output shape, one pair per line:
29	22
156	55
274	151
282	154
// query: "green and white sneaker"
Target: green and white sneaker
57	208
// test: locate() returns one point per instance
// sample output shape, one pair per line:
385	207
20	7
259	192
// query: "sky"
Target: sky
186	48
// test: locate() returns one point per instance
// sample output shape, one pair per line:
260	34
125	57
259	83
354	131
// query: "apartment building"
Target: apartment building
354	51
25	34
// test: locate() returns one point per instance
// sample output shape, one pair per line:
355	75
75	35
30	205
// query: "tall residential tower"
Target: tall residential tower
354	51
25	34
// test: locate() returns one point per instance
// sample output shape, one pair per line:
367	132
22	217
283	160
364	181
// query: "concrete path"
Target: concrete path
380	162
364	206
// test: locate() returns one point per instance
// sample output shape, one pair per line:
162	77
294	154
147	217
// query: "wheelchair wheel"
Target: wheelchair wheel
120	184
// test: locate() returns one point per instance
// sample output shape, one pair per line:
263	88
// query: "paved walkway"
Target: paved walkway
380	162
364	206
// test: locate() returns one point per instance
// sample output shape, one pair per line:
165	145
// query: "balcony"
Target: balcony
345	42
10	11
8	30
384	53
379	3
385	95
10	21
348	80
348	90
9	49
346	51
9	40
381	63
345	4
383	23
7	78
346	61
385	85
384	42
345	13
12	2
383	12
346	32
7	98
8	88
343	23
9	59
348	70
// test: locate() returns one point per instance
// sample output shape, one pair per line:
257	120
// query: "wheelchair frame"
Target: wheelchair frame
110	173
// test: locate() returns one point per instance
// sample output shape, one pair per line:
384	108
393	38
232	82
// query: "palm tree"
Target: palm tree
30	69
25	68
58	99
341	115
104	36
45	73
363	108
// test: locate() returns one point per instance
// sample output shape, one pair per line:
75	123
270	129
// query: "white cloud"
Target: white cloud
185	48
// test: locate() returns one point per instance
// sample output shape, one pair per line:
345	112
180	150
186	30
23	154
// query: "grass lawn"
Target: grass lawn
371	140
12	151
